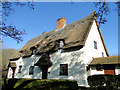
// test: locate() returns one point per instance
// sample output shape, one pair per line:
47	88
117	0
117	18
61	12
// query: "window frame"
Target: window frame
95	45
102	54
99	67
20	69
60	43
31	70
63	70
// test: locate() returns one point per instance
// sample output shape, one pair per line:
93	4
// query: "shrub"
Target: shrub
104	82
43	84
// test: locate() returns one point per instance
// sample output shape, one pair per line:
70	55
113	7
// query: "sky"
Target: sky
43	19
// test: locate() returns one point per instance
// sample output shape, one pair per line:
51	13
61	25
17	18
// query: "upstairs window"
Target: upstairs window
102	54
61	44
33	49
21	53
20	67
63	69
31	70
95	44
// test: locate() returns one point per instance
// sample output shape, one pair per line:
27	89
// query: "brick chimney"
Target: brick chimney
61	22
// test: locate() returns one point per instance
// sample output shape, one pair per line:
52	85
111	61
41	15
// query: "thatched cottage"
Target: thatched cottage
63	53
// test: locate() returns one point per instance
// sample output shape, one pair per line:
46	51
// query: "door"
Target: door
44	72
109	69
13	69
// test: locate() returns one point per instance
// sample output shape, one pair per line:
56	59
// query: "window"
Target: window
102	54
99	67
20	67
31	70
88	68
63	69
95	44
61	44
21	53
33	49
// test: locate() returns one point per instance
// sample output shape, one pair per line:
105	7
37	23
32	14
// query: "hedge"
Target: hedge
43	84
104	82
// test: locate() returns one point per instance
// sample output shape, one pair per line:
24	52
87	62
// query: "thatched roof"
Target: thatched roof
74	34
106	60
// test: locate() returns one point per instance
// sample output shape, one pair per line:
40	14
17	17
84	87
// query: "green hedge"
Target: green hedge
104	82
43	84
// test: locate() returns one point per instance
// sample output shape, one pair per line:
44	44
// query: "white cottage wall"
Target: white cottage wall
90	51
76	66
117	69
93	71
74	59
26	63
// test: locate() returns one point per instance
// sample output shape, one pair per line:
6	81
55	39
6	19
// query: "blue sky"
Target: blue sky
43	19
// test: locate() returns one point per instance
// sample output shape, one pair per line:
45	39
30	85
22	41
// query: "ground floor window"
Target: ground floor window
20	67
31	70
99	67
63	69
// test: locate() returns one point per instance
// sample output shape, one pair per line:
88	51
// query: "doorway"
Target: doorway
109	69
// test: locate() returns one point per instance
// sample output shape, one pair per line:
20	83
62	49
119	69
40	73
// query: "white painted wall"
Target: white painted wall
76	66
26	63
74	59
117	69
93	71
90	51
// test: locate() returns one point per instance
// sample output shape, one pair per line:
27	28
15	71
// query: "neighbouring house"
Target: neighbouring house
63	53
105	65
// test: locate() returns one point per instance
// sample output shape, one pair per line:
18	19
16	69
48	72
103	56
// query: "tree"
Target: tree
11	30
6	54
104	10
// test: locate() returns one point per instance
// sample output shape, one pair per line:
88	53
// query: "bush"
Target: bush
104	82
43	84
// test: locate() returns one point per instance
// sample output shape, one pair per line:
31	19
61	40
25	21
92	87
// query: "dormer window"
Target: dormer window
33	49
60	43
21	53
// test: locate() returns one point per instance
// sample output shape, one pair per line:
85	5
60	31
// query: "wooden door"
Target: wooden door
109	69
13	69
111	72
44	72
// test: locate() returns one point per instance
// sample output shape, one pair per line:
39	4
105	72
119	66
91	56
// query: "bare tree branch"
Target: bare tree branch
11	30
102	12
